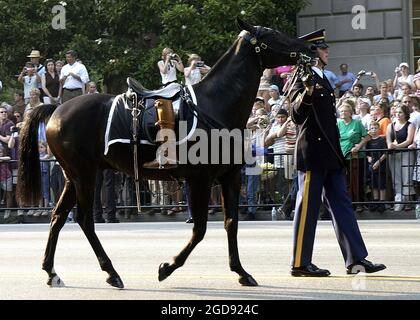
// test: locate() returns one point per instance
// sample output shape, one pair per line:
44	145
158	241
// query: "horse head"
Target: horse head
275	48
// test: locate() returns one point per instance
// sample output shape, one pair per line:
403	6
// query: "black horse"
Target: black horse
75	135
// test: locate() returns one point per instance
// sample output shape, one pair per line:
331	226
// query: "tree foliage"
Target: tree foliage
116	39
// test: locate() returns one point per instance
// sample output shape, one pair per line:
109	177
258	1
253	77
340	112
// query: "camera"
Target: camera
397	69
14	129
364	73
200	64
172	56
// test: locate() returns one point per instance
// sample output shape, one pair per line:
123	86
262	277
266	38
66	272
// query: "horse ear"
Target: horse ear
242	25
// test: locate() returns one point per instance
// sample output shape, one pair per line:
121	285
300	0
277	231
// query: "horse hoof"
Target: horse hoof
55	282
115	281
163	274
248	281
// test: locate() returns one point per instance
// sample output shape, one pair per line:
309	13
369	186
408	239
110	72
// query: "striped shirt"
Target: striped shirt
291	133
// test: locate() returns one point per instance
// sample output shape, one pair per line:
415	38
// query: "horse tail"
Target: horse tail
28	188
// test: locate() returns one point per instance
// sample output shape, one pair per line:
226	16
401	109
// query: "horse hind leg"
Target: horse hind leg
58	219
85	195
198	201
230	189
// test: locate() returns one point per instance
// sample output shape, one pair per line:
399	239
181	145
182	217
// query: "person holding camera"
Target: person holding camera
363	73
29	79
168	65
195	70
402	76
34	57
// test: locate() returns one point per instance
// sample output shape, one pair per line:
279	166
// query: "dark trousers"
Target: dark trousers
70	94
356	178
57	181
105	179
331	185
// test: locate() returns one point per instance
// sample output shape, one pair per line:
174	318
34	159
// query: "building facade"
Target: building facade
389	36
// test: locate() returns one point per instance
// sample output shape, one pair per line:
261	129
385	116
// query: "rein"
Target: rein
303	71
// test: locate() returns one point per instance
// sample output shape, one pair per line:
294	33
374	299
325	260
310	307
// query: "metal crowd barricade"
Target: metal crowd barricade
398	177
273	190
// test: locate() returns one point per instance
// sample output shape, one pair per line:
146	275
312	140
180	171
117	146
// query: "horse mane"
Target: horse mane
234	88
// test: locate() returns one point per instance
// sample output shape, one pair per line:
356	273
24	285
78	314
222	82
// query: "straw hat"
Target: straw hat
34	54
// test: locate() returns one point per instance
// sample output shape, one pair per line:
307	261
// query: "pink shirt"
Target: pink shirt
283	69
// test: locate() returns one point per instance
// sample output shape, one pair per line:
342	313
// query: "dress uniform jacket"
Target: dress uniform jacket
317	146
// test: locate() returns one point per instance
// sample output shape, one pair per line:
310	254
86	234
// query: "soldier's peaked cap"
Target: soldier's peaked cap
316	37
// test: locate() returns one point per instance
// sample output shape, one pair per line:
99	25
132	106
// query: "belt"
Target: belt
73	89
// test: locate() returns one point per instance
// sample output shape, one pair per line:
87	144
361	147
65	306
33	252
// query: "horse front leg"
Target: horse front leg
231	185
58	219
198	201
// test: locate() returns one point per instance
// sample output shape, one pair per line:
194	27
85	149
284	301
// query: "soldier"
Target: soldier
320	165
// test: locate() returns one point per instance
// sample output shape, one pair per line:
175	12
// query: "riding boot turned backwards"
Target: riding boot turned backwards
166	121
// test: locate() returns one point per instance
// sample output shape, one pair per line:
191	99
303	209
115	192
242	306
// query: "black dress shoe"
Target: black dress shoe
309	271
190	220
364	266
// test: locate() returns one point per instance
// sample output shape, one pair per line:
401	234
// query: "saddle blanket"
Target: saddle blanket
119	127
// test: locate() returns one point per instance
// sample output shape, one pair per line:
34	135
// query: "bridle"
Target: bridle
260	47
303	68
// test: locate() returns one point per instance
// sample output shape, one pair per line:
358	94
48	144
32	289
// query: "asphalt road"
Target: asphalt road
137	249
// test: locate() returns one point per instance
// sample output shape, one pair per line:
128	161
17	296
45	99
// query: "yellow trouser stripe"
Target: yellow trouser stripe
302	221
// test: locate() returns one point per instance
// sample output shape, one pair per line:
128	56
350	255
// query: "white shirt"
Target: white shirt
378	97
194	77
1	85
366	119
41	71
279	146
170	74
415	118
78	69
318	71
401	81
28	84
278	101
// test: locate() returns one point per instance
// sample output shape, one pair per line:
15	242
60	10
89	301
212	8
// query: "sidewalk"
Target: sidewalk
264	215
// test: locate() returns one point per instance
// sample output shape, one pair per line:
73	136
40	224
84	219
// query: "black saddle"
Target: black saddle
170	92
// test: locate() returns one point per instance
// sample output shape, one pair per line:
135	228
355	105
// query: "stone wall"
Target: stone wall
380	47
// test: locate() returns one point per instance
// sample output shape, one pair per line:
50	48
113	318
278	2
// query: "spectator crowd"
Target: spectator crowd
55	82
378	123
